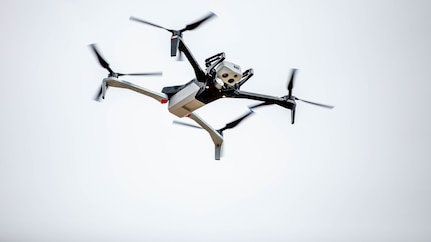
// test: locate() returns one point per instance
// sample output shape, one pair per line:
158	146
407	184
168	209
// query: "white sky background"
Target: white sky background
72	169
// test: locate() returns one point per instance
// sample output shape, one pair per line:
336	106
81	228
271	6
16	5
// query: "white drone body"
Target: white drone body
185	102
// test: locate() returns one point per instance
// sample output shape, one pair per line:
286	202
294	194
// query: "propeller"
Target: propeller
186	124
98	94
102	61
290	83
177	34
230	125
314	103
234	123
292	99
105	65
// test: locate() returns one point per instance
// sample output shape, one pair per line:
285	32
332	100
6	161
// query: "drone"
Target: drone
220	79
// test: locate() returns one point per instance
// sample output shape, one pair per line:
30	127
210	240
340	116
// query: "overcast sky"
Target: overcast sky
72	169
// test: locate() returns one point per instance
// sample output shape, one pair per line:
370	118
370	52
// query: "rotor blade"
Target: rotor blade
186	124
199	22
146	22
259	105
98	95
141	74
290	83
234	123
317	104
102	61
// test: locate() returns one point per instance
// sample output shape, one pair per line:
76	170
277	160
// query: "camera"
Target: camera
229	73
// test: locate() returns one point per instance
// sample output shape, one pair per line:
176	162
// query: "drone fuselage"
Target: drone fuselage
182	99
206	87
193	95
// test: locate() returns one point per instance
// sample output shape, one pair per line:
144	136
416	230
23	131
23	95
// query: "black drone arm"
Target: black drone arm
267	99
200	74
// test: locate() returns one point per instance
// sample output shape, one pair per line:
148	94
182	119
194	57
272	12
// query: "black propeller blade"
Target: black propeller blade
317	104
290	83
230	125
102	61
146	22
191	26
259	105
290	87
198	22
186	124
98	95
177	34
234	123
289	95
290	98
105	65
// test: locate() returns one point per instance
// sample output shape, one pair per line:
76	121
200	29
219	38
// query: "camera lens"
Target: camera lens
225	75
231	80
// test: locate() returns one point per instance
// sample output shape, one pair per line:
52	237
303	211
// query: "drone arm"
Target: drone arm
114	82
215	136
262	97
200	75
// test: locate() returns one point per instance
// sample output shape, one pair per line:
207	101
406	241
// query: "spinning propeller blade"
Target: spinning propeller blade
102	61
146	22
317	104
177	34
259	105
234	123
230	125
199	22
98	95
105	65
289	95
186	124
290	98
290	83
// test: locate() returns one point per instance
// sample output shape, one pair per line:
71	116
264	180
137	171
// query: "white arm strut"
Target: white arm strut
114	82
216	136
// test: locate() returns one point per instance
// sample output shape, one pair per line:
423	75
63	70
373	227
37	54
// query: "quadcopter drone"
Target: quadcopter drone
220	79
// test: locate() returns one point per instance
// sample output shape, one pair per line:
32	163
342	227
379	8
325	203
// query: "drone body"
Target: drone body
221	79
